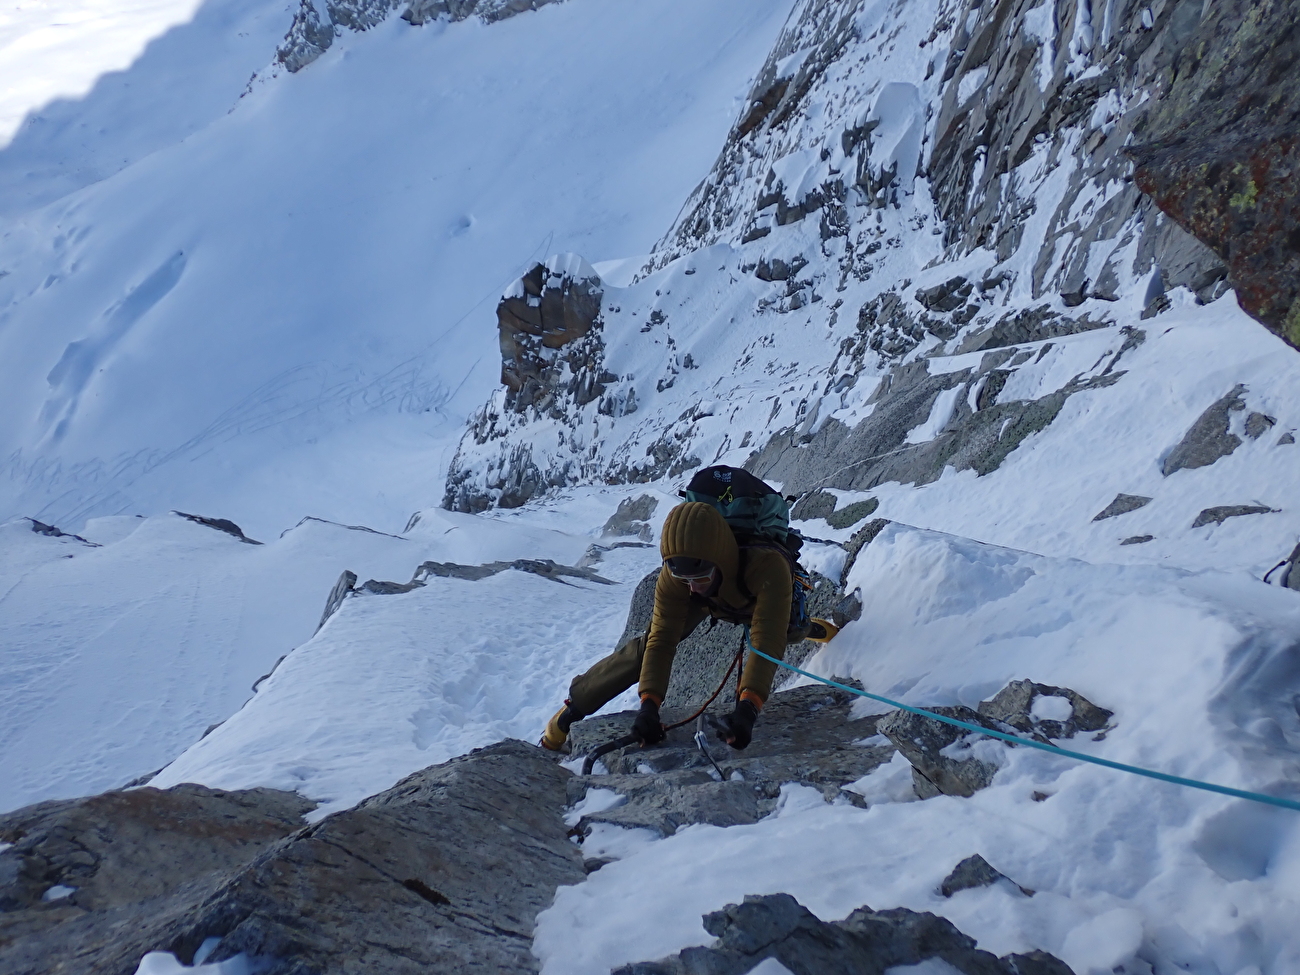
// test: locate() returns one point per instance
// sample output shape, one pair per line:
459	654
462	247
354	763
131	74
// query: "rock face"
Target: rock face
974	872
1209	437
125	859
1221	154
866	942
805	735
315	27
978	434
552	363
446	872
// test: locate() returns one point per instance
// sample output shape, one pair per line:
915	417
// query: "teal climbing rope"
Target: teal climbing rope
1054	749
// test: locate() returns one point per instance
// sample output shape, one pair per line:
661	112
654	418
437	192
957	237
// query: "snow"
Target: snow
57	893
279	305
1049	708
59	49
304	304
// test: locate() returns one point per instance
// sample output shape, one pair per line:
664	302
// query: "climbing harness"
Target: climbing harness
1054	749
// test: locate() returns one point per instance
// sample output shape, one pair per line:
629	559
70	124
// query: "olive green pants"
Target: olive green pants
610	677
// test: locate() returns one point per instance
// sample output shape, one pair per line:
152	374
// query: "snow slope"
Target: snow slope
235	319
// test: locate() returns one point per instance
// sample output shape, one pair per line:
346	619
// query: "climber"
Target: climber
707	572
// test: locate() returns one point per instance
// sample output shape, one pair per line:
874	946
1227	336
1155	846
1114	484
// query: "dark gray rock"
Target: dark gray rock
1029	325
805	735
1209	438
853	513
1138	539
130	857
974	872
632	518
922	741
866	942
860	539
847	609
1122	505
1258	424
40	528
1014	705
1286	438
342	589
221	525
445	872
1217	516
876	450
816	504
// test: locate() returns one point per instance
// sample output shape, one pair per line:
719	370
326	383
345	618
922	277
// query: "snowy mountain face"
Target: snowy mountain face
966	278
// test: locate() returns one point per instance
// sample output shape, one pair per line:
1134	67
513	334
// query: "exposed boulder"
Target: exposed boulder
632	518
924	742
1209	438
1122	505
1217	516
446	871
219	524
815	504
1221	154
87	883
975	872
866	942
1044	711
40	528
943	756
853	513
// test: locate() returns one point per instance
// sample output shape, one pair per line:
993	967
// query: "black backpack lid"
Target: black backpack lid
714	481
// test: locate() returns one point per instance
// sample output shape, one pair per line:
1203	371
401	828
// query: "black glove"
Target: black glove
737	728
647	728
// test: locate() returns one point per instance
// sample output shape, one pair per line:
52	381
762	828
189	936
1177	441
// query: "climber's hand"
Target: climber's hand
737	728
647	728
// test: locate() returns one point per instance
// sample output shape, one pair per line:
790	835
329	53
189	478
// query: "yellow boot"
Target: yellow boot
557	729
823	631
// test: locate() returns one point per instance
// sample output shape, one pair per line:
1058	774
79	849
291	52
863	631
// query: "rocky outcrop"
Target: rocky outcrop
975	872
867	942
1221	513
347	582
978	432
219	524
446	872
84	876
314	27
632	518
1221	153
552	364
1209	437
1122	505
947	760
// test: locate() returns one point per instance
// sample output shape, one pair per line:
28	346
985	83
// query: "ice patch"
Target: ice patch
57	893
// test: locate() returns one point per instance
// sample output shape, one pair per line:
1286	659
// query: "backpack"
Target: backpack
759	518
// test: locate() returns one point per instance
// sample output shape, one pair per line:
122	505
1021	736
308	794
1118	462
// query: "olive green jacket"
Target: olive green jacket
760	599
